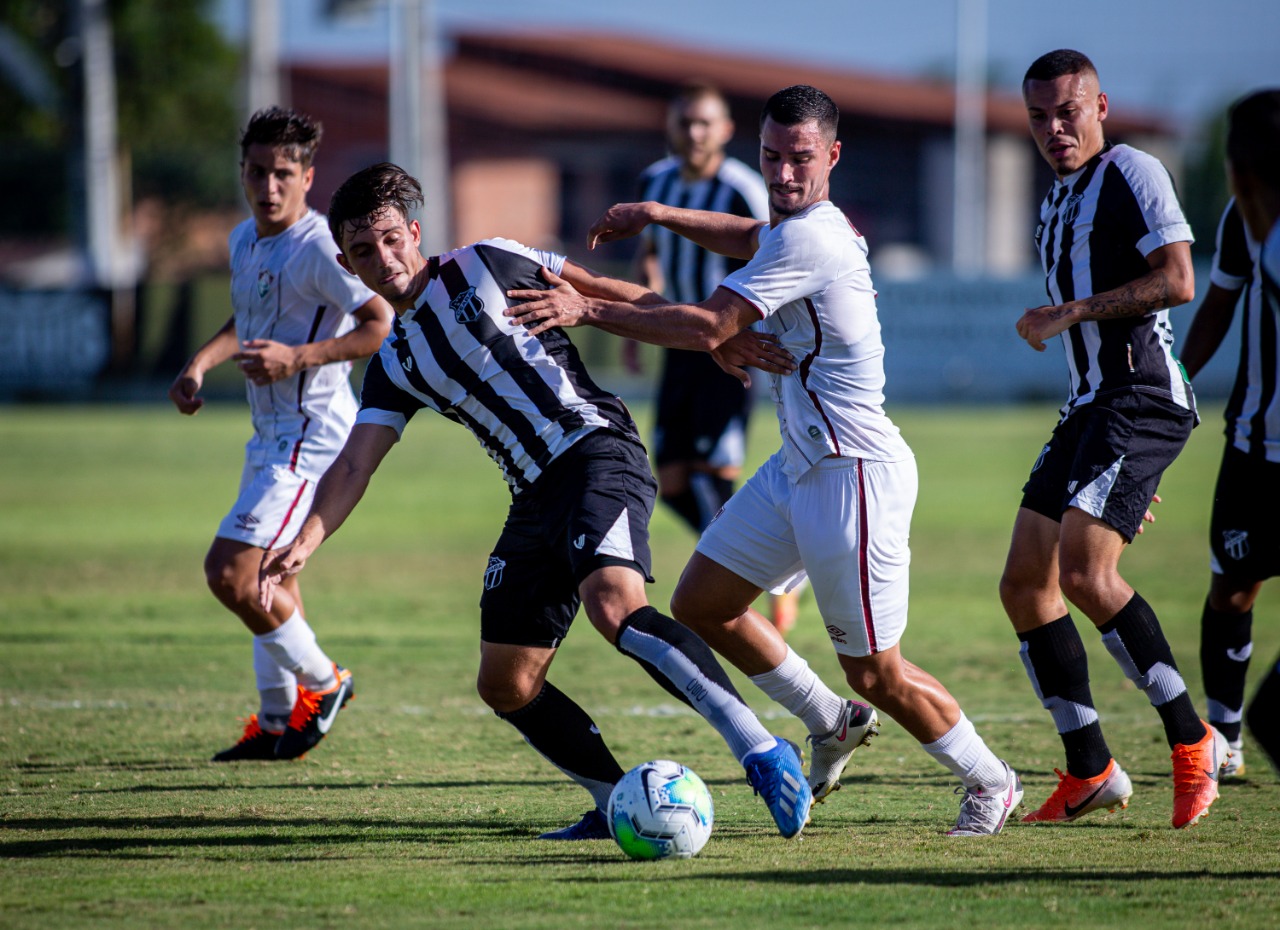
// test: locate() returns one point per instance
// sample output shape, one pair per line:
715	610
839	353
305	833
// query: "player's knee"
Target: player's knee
505	695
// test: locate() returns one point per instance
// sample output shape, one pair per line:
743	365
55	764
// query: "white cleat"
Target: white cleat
830	752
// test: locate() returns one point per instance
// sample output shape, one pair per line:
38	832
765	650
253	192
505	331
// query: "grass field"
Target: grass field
120	675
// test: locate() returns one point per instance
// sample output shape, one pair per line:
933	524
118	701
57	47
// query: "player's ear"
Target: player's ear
1102	106
342	260
415	232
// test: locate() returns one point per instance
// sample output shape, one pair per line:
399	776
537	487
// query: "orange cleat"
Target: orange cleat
1075	797
1195	776
313	714
255	743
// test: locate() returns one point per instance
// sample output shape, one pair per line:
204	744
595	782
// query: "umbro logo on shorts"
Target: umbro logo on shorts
246	521
837	634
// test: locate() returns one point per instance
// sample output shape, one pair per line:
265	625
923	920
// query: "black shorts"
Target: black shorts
1243	534
1106	458
590	508
702	412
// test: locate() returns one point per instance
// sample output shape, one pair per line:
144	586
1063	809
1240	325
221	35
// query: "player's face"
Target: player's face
385	256
1065	115
698	131
275	187
796	162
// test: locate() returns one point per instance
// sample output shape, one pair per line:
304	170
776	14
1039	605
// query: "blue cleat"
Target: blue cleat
777	775
592	826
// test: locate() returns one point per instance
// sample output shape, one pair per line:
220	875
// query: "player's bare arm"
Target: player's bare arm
1209	328
1169	283
337	494
185	390
724	233
265	361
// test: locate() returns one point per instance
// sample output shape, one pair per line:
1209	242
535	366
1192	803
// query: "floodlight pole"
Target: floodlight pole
968	247
264	85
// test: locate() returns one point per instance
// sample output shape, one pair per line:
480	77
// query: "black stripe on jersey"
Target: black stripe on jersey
1114	261
518	272
1240	389
1046	255
1268	307
496	450
1232	255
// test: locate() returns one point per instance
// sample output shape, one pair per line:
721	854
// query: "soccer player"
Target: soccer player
1244	544
836	500
582	492
299	320
1116	254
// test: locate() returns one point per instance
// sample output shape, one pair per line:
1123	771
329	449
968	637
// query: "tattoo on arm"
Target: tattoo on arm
1150	292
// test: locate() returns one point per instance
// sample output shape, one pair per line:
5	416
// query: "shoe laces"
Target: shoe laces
251	729
307	706
1189	772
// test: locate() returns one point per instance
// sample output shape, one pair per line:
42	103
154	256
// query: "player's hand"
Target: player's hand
1041	323
264	361
756	350
544	310
276	566
185	391
1149	517
621	221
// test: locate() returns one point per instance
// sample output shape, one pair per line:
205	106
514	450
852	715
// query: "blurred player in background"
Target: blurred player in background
299	321
1244	539
835	501
577	532
1116	252
700	433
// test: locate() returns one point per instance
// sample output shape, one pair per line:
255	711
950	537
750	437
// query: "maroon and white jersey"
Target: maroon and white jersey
290	288
812	285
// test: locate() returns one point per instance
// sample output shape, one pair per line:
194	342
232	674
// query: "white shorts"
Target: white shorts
272	504
846	523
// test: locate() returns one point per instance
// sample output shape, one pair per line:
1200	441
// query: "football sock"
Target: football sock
1055	660
685	666
685	504
963	753
293	645
566	736
797	688
277	689
1263	716
1225	646
710	491
1135	640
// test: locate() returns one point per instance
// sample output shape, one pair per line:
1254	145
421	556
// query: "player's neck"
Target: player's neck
267	230
690	173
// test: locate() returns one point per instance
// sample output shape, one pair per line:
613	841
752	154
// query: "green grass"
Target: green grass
120	675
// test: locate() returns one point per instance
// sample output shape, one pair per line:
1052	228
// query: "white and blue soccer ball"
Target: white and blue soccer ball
660	810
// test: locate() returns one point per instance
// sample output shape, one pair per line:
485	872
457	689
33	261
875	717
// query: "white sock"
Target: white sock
795	686
277	689
962	752
293	645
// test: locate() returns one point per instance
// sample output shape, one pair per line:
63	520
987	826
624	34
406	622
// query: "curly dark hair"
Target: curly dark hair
367	194
297	134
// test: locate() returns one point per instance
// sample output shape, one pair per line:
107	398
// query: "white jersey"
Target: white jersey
290	288
811	283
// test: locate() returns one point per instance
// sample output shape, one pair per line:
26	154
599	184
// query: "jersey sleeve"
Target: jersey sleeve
1270	256
1163	222
790	263
1232	264
381	402
553	261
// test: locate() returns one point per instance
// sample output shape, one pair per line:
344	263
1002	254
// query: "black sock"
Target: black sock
565	735
685	504
649	621
1223	634
1055	661
1135	640
1263	715
711	492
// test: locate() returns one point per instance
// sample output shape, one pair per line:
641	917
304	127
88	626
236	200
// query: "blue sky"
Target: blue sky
1184	58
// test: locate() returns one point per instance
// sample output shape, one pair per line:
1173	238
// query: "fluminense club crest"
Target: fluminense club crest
265	280
466	306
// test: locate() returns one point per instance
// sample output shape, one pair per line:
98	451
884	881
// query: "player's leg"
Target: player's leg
1263	714
1226	644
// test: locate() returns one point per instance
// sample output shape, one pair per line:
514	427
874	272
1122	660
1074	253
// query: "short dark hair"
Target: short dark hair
801	103
1253	136
369	193
1055	64
692	91
297	134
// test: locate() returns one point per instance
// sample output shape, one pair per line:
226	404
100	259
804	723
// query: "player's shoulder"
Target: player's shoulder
313	230
243	232
739	173
1135	165
1270	252
660	167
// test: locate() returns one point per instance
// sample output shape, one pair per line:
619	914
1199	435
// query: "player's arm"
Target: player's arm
265	361
1209	328
185	390
337	494
723	233
1170	282
593	284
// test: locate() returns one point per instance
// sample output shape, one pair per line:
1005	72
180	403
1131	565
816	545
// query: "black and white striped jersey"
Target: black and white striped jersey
525	398
1253	410
690	273
1097	227
1234	251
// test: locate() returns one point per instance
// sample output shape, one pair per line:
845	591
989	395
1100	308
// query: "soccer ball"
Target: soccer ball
660	810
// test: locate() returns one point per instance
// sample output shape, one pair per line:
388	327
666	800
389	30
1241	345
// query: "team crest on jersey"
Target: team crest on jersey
1236	543
466	306
265	280
1071	209
493	574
